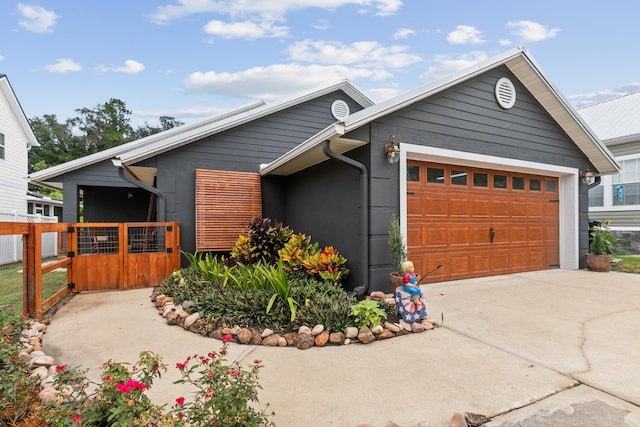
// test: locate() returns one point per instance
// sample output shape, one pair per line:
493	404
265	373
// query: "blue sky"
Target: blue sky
191	59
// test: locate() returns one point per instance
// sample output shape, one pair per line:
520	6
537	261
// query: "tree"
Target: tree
166	123
108	125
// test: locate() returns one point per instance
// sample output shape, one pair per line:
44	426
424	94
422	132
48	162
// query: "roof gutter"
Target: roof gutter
364	203
161	200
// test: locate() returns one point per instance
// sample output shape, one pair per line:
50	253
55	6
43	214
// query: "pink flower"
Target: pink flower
12	307
180	401
210	374
208	394
135	384
235	373
211	354
123	388
223	351
77	418
257	361
181	365
60	367
227	338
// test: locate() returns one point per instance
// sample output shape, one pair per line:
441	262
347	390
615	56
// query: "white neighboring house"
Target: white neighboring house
16	139
617	198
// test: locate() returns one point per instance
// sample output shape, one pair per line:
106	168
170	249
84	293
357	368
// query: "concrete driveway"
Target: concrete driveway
548	348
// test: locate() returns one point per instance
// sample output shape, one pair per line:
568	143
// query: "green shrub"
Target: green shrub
367	313
296	251
324	304
328	264
262	242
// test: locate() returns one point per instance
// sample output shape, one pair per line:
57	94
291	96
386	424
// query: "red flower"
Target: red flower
107	378
227	338
60	367
181	365
180	415
77	418
25	314
210	374
235	373
180	401
123	388
257	361
223	351
211	354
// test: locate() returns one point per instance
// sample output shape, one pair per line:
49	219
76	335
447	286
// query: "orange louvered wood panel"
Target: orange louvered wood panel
226	202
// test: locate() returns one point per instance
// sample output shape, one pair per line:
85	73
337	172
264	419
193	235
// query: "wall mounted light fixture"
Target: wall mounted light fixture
587	176
392	150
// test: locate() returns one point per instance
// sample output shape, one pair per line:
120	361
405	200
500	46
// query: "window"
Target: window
413	173
435	175
499	181
550	186
596	196
1	145
458	177
517	183
480	179
626	186
534	185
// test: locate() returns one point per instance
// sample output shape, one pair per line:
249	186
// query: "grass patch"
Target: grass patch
11	285
629	264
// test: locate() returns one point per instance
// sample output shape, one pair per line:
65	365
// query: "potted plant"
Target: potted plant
398	249
600	247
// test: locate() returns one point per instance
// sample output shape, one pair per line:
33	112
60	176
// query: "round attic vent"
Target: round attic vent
505	93
339	109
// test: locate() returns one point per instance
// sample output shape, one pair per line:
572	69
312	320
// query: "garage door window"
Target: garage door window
499	181
534	185
435	175
413	173
550	186
458	177
517	183
480	179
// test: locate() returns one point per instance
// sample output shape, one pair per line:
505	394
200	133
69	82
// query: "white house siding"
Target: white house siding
14	166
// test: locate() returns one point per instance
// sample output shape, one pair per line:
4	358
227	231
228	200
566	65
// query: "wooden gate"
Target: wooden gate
107	256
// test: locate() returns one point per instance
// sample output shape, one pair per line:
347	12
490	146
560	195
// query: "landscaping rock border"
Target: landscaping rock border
306	336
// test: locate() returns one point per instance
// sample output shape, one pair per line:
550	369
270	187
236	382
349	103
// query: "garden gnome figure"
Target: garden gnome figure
409	300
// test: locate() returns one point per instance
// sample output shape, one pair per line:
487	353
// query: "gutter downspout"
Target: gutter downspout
161	202
364	203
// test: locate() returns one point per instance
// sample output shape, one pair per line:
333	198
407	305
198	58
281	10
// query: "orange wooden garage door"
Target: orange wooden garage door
479	222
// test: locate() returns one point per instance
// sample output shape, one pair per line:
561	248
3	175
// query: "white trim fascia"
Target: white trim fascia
613	208
18	112
330	132
568	188
624	228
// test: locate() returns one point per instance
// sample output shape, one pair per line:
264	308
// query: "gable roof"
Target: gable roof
615	121
519	62
144	148
18	112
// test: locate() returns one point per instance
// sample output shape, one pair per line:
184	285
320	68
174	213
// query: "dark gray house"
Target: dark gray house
488	179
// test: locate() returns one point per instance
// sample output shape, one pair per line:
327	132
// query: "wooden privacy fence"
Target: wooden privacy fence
97	256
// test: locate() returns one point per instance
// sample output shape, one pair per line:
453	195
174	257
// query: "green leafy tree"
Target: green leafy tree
106	126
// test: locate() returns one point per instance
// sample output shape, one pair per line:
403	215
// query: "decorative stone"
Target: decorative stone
378	295
417	327
256	338
347	341
244	336
336	338
385	334
427	325
48	394
377	330
351	332
390	301
305	341
406	326
183	314
292	338
187	304
267	332
393	327
304	330
282	342
41	372
216	334
226	331
317	330
458	420
235	330
44	361
321	339
271	340
39	326
191	319
365	336
28	348
37	353
168	308
6	330
172	318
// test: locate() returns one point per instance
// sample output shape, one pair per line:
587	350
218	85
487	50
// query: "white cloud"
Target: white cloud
584	99
270	10
322	25
63	65
464	34
532	31
273	81
244	30
37	18
364	53
446	65
381	94
505	42
403	33
1	58
130	67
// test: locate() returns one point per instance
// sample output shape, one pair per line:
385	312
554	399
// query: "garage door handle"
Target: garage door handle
492	234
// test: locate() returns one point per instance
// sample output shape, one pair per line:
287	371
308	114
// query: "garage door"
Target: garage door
480	222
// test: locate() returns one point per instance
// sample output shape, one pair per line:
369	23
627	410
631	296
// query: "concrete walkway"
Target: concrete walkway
549	348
